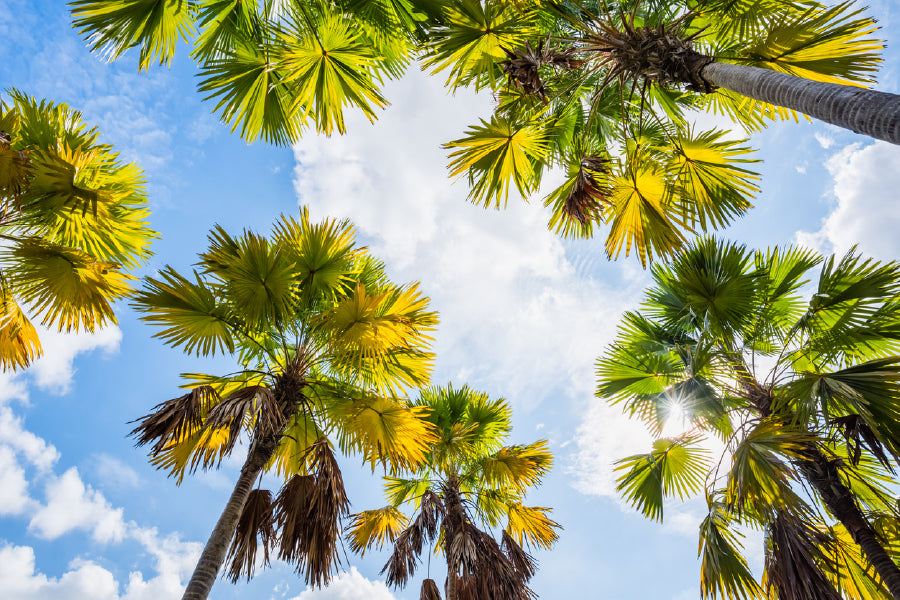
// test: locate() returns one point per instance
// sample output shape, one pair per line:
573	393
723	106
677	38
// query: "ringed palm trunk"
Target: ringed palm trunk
823	475
213	555
873	113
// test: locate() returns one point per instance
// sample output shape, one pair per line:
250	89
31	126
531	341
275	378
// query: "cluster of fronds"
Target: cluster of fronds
661	54
812	441
469	482
604	79
273	68
73	220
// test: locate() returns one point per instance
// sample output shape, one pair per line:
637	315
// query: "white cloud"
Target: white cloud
37	451
604	437
14	499
86	580
867	213
73	505
54	371
349	586
517	313
113	472
83	581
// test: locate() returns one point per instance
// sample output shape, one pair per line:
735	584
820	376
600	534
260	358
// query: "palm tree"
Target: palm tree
273	67
606	90
325	343
804	396
468	480
73	222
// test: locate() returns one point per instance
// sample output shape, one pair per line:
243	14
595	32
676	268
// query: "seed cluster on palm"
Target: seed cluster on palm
324	345
73	223
468	484
802	396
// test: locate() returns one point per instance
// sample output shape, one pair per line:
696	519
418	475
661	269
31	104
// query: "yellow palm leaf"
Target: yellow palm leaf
372	527
641	215
19	343
496	153
531	524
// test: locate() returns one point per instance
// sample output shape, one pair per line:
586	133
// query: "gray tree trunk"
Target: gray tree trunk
213	555
876	114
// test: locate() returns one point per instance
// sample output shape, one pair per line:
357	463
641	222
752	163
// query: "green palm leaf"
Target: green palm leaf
111	28
675	466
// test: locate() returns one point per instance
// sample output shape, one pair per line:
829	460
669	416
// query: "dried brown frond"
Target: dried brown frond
402	563
254	402
485	572
857	433
174	419
590	194
308	512
255	525
660	54
524	564
429	591
523	64
794	559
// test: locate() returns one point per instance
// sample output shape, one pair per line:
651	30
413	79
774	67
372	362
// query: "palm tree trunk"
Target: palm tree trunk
876	114
213	555
454	520
824	477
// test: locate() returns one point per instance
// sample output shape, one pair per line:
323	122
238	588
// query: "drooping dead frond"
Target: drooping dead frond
253	403
485	572
794	560
590	193
659	54
522	66
402	563
425	526
175	419
429	591
308	512
255	525
524	564
857	434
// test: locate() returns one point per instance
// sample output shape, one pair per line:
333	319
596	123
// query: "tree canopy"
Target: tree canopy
73	224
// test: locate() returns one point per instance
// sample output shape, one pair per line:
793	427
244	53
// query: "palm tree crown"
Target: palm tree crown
468	480
805	397
325	343
607	91
73	222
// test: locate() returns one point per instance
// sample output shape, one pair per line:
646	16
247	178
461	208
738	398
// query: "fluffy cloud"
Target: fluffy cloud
866	211
507	289
349	586
73	505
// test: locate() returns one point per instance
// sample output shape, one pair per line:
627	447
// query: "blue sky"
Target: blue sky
82	514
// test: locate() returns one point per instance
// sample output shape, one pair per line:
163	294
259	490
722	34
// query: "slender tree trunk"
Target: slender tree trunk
454	520
823	475
213	555
876	114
